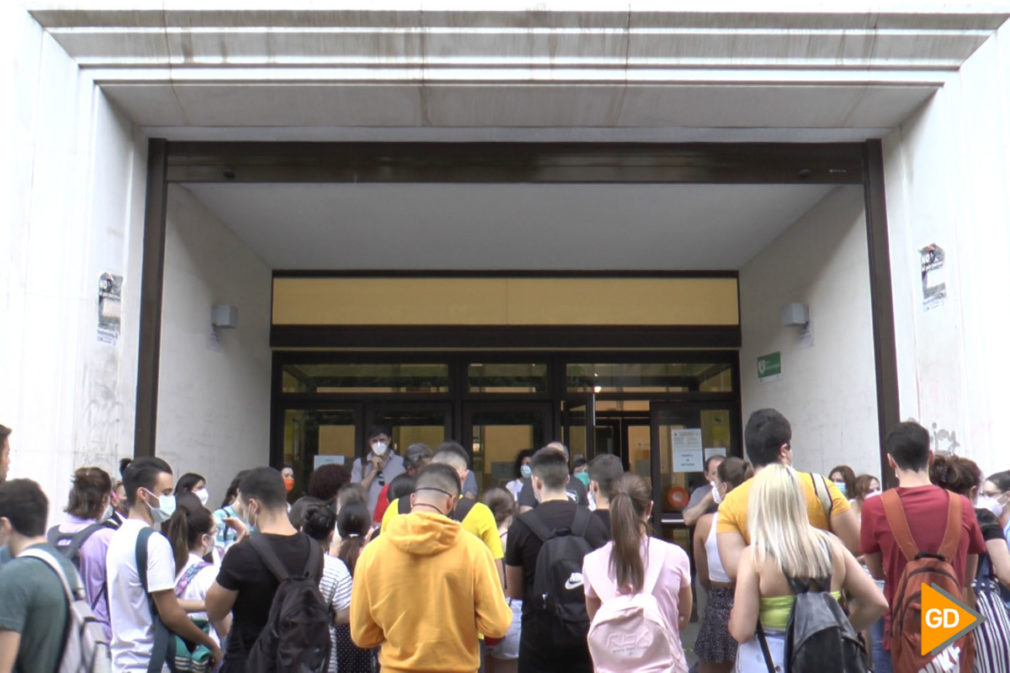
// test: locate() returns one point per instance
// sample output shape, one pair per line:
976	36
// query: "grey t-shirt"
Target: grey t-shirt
33	603
697	495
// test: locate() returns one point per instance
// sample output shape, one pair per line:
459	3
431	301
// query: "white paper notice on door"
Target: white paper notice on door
687	450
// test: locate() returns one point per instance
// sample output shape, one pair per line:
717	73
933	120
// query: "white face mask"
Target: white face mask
109	512
204	495
380	448
990	503
165	508
716	495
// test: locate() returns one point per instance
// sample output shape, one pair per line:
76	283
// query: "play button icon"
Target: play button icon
944	619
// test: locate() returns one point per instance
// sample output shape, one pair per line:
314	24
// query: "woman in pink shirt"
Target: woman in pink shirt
634	561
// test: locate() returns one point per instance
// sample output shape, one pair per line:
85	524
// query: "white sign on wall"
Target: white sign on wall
687	450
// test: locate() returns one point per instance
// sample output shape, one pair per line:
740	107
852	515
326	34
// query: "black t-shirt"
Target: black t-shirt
987	521
523	546
243	571
575	489
604	516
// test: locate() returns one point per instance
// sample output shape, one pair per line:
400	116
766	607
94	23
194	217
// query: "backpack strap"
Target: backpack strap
580	524
898	523
187	578
462	508
952	534
162	637
72	594
273	562
53	536
536	525
764	648
79	538
823	494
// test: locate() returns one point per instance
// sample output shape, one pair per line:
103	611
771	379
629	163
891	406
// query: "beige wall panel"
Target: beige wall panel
505	301
622	301
389	301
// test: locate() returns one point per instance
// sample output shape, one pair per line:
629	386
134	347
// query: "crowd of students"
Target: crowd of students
401	567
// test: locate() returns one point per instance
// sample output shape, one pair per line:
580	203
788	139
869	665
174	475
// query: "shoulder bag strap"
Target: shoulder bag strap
760	633
823	494
162	637
952	534
898	522
462	508
269	557
581	521
315	557
536	525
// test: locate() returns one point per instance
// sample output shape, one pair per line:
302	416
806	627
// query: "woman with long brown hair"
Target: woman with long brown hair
634	560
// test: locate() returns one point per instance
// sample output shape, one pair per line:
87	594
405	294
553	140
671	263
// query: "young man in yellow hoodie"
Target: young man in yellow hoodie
425	588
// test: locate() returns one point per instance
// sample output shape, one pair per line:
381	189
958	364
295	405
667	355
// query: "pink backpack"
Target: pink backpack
628	633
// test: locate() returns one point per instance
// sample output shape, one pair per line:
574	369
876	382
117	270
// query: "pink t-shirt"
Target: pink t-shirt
674	574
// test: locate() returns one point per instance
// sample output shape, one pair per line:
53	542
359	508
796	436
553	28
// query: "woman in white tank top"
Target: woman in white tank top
715	648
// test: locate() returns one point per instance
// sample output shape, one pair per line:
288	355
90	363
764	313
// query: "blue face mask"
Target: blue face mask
526	471
841	487
165	508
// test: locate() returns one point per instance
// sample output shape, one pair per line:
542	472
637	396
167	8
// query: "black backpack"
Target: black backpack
819	636
559	601
296	638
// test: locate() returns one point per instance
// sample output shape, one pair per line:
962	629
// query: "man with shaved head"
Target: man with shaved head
426	588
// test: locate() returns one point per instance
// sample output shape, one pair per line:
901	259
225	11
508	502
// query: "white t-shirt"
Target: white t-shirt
335	586
197	589
129	611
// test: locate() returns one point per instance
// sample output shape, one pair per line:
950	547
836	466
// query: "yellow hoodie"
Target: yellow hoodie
423	590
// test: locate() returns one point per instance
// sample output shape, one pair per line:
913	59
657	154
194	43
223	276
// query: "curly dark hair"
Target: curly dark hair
327	480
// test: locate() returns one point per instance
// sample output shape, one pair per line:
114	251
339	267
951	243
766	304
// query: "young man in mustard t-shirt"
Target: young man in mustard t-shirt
767	438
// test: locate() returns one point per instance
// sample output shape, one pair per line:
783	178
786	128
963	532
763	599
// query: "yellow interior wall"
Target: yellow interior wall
505	301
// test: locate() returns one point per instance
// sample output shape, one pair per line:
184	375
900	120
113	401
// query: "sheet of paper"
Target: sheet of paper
715	451
317	461
687	450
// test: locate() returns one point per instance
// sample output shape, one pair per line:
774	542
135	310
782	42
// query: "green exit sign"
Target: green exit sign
770	366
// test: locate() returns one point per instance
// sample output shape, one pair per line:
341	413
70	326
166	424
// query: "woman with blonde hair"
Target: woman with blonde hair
783	547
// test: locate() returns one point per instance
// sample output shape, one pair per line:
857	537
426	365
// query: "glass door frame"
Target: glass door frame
657	408
545	408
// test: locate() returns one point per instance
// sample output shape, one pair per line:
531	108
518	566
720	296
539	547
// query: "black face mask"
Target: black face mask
443	491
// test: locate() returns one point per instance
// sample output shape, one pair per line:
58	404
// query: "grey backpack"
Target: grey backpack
85	647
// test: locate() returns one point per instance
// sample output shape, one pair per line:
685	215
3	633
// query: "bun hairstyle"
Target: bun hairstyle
628	528
353	524
188	524
954	473
318	522
91	486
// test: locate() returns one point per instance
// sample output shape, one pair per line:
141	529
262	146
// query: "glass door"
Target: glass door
410	423
684	435
496	432
316	436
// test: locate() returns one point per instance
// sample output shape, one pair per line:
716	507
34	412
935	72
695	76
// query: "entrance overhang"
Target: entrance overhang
438	71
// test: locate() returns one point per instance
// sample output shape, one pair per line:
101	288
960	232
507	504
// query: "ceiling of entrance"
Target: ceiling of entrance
507	226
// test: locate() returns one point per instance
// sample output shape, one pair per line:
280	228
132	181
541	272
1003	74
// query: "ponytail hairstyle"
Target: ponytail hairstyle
188	524
629	506
734	471
91	486
780	531
353	524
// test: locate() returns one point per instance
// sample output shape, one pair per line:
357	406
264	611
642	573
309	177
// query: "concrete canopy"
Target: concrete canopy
716	70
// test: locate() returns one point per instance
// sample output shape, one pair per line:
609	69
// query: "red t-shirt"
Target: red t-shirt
381	504
926	511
